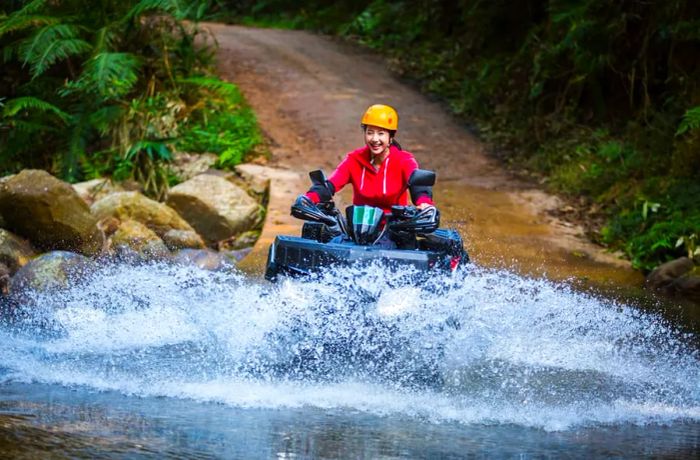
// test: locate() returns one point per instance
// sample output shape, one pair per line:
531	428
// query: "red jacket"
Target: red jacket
384	187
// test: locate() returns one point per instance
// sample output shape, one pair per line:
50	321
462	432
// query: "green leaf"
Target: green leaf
50	44
104	40
213	84
690	121
166	6
156	149
103	118
610	150
110	75
28	103
18	22
26	18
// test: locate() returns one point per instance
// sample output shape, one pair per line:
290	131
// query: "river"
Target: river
162	361
510	361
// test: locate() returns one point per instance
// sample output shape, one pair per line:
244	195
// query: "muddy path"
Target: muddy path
309	92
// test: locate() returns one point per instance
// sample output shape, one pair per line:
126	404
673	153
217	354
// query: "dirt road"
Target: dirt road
309	92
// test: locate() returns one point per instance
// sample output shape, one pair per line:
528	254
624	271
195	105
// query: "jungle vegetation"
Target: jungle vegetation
595	99
92	88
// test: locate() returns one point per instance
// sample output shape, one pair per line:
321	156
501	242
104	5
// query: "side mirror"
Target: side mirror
422	178
318	177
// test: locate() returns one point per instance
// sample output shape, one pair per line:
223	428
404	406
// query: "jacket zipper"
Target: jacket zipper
386	166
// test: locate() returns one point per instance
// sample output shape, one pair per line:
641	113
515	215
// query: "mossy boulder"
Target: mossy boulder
135	239
49	213
134	206
215	207
96	189
15	252
50	272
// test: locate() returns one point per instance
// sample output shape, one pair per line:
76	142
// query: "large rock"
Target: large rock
14	251
244	240
215	207
95	189
50	272
49	213
134	206
135	239
688	287
664	275
183	239
678	278
188	165
257	177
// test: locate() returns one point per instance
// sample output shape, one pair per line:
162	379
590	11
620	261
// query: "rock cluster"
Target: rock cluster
52	232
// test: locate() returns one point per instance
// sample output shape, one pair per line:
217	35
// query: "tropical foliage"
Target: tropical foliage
111	87
599	100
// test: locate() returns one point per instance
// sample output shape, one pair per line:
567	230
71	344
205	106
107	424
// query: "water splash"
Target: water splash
482	346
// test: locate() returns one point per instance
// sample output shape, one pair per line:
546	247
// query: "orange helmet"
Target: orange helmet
381	115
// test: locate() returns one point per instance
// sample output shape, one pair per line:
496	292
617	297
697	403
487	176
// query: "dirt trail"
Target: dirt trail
309	92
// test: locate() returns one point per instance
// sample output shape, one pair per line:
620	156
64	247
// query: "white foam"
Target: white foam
511	349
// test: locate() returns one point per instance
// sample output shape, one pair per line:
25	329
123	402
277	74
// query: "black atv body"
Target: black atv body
406	237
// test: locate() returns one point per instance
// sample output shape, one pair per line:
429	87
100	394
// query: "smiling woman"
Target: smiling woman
379	171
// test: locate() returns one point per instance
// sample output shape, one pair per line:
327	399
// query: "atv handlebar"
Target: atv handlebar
414	220
401	219
305	209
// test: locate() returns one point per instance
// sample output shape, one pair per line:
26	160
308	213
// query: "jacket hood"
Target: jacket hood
362	156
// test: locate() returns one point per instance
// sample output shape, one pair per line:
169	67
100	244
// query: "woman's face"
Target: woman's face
377	139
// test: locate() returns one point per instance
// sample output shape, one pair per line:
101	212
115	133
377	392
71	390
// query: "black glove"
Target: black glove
325	191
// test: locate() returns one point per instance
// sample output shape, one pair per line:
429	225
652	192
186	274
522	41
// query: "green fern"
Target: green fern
105	38
165	6
32	7
17	22
109	75
26	18
213	84
33	127
27	103
690	122
104	118
96	91
50	44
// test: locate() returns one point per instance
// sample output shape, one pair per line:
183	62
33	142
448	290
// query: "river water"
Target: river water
169	361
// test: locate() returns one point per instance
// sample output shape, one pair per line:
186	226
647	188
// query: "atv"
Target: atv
408	236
